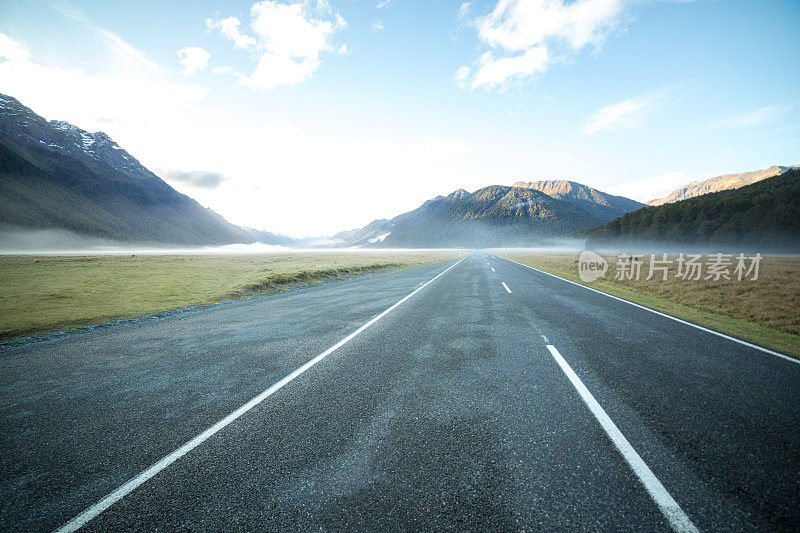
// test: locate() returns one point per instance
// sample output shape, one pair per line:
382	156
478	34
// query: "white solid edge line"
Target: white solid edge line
506	287
666	503
676	319
93	511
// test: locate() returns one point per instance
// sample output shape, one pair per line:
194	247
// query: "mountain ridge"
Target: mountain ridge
600	203
496	215
55	175
721	183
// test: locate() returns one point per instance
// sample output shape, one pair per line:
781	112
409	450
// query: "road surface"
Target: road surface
474	394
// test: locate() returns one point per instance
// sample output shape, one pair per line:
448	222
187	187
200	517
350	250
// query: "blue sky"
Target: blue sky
325	115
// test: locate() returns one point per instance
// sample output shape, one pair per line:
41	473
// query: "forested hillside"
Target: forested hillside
765	214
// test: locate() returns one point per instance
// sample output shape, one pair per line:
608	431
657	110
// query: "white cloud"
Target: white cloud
288	40
343	50
495	72
461	76
382	3
764	115
222	70
626	114
229	28
526	36
289	29
376	25
275	70
12	50
194	59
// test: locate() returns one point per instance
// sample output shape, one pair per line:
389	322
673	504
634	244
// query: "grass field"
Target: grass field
51	293
765	312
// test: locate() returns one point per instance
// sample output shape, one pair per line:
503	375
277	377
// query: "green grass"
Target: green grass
765	312
52	293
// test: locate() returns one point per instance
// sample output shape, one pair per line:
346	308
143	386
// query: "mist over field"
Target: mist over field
27	241
61	242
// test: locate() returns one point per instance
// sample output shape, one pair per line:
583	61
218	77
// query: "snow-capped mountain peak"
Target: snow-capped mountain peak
20	123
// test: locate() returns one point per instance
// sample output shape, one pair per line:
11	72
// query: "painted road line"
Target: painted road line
676	319
128	487
666	503
492	269
506	287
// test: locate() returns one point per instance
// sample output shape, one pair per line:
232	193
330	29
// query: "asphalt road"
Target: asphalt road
493	397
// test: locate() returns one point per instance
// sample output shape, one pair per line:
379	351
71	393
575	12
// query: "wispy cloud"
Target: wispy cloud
119	46
464	10
376	25
195	178
287	40
626	114
757	117
124	49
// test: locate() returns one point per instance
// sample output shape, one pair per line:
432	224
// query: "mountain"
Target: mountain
492	216
596	202
373	232
54	175
268	237
764	215
721	183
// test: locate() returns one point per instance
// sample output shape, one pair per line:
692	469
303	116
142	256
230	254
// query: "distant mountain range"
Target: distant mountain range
521	215
721	183
54	175
764	215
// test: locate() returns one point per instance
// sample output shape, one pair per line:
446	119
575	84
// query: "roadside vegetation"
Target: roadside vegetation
764	312
52	293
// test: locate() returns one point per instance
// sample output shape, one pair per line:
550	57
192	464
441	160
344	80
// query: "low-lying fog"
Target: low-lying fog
60	242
